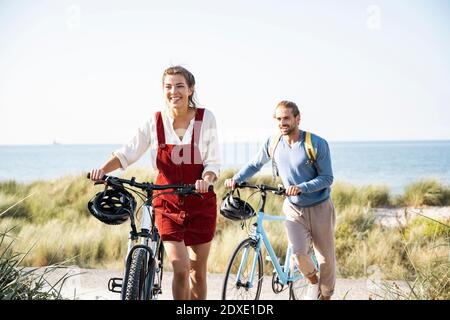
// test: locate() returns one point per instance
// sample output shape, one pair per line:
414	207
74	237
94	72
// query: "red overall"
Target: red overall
183	218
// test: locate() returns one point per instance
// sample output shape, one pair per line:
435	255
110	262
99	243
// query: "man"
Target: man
308	207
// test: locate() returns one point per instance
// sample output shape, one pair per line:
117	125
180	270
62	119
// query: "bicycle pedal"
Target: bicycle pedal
157	290
115	283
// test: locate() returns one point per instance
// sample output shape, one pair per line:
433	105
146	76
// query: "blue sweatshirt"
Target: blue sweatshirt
314	181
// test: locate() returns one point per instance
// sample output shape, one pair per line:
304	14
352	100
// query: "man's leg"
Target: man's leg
323	222
299	235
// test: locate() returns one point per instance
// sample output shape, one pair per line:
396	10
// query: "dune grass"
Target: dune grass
54	220
18	283
427	192
425	261
344	194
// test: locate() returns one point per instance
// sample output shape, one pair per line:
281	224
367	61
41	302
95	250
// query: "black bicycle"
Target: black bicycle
143	271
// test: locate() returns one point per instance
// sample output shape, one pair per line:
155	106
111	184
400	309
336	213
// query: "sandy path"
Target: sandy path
91	284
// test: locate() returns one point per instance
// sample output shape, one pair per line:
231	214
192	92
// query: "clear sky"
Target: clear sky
90	71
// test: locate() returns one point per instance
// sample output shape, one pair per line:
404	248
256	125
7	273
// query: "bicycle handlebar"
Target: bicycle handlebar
148	186
261	187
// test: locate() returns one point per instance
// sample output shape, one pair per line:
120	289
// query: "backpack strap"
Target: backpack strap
273	144
309	148
310	152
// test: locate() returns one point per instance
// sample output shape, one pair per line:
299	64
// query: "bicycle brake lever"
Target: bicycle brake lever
189	191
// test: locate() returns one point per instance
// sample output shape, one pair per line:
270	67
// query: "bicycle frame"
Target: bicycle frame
144	234
148	235
284	274
147	223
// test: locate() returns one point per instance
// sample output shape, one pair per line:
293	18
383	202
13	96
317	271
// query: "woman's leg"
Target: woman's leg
179	258
198	256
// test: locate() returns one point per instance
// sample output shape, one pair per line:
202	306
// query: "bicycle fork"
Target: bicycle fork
249	283
116	284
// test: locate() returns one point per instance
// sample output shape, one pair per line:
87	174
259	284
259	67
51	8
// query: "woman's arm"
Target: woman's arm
136	147
210	143
209	177
112	164
128	154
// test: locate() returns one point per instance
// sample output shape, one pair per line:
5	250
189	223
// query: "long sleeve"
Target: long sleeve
136	147
252	167
210	141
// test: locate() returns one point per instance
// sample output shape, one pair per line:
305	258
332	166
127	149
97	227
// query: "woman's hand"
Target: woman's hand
97	174
202	186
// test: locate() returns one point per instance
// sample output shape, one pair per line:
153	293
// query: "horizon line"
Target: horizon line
224	142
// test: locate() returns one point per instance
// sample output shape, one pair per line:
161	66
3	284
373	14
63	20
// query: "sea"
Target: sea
394	164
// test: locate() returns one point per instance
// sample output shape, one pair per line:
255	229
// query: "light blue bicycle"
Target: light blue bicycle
245	271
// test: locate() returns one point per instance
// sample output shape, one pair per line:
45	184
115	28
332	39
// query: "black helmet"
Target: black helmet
235	208
112	206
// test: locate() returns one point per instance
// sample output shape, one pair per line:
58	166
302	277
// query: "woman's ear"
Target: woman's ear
191	90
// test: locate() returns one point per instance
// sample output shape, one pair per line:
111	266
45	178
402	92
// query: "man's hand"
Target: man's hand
293	191
230	183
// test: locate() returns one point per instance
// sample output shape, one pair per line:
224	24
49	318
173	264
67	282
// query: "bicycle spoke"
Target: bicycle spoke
238	284
298	287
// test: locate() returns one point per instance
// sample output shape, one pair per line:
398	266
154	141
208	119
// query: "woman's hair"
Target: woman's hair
190	80
290	105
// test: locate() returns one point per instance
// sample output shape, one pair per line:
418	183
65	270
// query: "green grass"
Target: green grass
18	283
345	194
426	192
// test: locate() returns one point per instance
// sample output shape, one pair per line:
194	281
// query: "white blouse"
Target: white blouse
146	138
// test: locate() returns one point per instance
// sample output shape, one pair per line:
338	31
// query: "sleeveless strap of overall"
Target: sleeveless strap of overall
197	126
195	139
160	130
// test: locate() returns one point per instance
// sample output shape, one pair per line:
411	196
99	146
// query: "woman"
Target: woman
183	143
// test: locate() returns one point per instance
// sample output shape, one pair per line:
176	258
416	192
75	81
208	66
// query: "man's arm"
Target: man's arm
251	168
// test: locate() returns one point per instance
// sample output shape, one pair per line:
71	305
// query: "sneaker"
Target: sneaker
312	292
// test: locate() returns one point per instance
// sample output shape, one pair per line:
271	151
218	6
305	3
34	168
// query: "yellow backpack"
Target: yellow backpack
310	152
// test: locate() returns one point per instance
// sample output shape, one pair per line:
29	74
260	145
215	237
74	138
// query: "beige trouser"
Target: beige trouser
315	224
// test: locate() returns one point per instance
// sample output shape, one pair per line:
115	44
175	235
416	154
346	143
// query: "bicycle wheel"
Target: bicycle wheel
140	275
297	289
235	288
